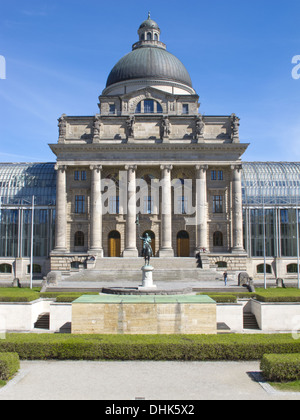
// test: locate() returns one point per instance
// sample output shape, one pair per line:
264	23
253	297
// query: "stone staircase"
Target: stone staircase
250	322
43	321
129	269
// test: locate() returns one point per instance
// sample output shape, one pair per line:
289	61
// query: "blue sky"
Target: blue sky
239	54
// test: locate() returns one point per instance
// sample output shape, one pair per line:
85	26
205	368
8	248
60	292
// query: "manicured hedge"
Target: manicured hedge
222	298
281	367
279	298
9	365
16	299
148	347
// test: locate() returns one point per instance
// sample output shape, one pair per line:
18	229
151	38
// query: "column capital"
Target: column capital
202	167
130	167
97	168
166	167
237	167
59	167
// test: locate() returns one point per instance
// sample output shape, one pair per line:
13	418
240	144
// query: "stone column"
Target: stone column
131	249
237	210
166	249
61	209
201	207
96	213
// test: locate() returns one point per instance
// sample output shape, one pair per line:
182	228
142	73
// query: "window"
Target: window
222	264
155	37
5	268
148	203
260	269
114	205
80	175
149	36
148	106
185	108
79	239
37	269
292	268
216	175
182	204
218	239
218	204
112	109
79	204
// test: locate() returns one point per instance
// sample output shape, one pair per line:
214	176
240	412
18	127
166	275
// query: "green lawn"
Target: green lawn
270	292
286	386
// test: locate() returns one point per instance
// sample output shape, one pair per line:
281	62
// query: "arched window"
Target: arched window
222	264
260	269
148	106
292	268
218	239
79	239
155	37
5	268
149	36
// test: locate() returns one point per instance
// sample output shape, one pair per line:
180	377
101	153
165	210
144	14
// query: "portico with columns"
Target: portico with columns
148	133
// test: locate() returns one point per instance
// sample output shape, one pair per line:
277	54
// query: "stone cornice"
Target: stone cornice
145	147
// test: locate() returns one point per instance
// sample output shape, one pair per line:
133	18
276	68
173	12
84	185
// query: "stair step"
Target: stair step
43	321
250	322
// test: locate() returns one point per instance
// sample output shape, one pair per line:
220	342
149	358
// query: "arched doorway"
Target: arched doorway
152	236
114	244
183	244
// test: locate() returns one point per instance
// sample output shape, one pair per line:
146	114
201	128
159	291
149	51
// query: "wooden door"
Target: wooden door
114	244
183	244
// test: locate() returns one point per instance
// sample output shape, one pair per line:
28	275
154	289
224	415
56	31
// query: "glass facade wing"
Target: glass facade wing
271	183
20	181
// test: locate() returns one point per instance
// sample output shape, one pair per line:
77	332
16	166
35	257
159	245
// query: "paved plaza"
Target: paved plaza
82	380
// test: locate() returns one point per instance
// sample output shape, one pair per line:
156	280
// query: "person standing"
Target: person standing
225	277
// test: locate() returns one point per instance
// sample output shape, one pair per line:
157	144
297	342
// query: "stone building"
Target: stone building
149	154
156	155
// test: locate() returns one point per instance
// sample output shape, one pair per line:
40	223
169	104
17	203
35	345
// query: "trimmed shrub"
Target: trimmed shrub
279	298
4	371
148	347
281	367
223	298
9	365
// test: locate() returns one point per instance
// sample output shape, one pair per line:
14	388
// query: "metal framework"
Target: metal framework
271	184
19	182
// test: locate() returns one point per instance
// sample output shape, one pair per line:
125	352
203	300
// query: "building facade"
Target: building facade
147	156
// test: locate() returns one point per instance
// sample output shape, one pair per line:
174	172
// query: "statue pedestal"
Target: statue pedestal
147	278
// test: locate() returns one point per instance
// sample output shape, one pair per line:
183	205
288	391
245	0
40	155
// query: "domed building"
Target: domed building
152	154
148	162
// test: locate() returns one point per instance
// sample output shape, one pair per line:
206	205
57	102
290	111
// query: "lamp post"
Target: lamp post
31	247
32	239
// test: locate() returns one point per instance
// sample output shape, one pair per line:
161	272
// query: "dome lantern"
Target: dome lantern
149	30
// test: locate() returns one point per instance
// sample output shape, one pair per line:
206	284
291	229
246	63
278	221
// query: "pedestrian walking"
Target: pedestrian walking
225	277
